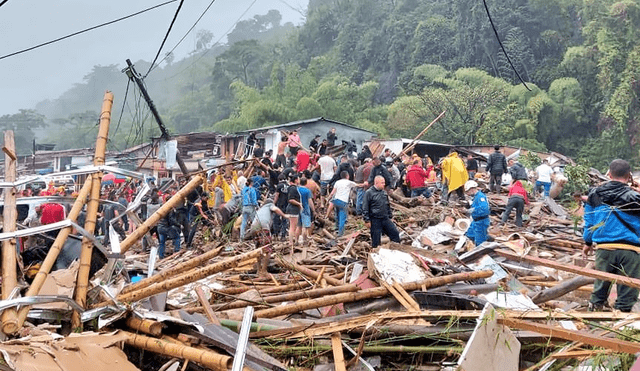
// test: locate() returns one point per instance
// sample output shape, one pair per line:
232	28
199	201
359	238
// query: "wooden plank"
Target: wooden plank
206	306
10	152
9	255
397	295
338	355
617	345
579	354
414	305
628	281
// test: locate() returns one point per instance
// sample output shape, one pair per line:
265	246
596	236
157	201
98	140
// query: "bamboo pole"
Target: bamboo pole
54	251
189	277
366	294
178	269
206	358
290	296
9	255
145	325
82	282
413	142
308	272
174	201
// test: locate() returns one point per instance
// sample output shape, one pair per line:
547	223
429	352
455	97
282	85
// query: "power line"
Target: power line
502	46
86	30
3	2
185	35
175	16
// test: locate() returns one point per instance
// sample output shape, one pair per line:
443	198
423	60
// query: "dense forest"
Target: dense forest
391	66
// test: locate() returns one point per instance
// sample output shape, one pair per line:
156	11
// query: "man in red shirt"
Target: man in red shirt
302	160
517	199
416	178
52	213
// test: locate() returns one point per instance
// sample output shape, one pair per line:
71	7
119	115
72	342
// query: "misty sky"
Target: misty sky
47	72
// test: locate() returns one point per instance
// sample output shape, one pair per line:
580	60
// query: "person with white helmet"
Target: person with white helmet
479	212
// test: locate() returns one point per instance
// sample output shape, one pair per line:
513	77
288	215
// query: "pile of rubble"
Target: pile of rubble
434	301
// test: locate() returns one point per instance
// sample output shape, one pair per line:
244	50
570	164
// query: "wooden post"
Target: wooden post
174	201
338	355
82	282
54	251
9	214
413	142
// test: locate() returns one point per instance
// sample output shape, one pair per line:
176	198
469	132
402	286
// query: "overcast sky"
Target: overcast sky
47	72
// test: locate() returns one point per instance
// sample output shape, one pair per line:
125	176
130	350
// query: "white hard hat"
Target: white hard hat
470	184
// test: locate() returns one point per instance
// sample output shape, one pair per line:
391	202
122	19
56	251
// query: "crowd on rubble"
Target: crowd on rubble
284	196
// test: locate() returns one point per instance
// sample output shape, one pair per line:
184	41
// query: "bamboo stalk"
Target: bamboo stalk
290	350
82	282
308	272
186	278
54	251
366	294
9	255
206	358
178	269
145	325
290	296
174	201
413	142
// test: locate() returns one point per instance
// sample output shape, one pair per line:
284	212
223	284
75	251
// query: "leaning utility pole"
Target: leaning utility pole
135	77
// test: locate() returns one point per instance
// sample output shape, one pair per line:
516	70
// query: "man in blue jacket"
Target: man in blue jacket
249	206
479	212
612	221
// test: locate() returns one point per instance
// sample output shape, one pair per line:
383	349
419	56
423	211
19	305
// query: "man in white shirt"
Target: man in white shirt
328	168
341	192
544	173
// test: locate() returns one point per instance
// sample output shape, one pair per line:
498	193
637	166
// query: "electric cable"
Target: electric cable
86	30
3	2
502	46
185	35
166	36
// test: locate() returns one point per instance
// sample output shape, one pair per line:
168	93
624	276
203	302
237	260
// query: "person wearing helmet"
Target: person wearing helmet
479	212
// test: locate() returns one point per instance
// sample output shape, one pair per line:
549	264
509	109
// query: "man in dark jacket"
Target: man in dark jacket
517	171
379	169
496	166
364	154
332	137
168	229
377	213
612	221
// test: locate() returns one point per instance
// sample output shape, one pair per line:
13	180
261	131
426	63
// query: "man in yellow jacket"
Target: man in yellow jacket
454	175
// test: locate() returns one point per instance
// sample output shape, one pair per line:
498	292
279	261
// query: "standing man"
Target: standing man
332	137
377	213
307	209
249	206
293	210
327	170
479	212
543	180
472	166
612	221
379	169
454	175
281	160
341	191
294	142
361	175
280	224
496	166
314	144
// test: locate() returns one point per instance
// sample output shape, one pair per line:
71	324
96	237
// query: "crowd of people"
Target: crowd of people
281	197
